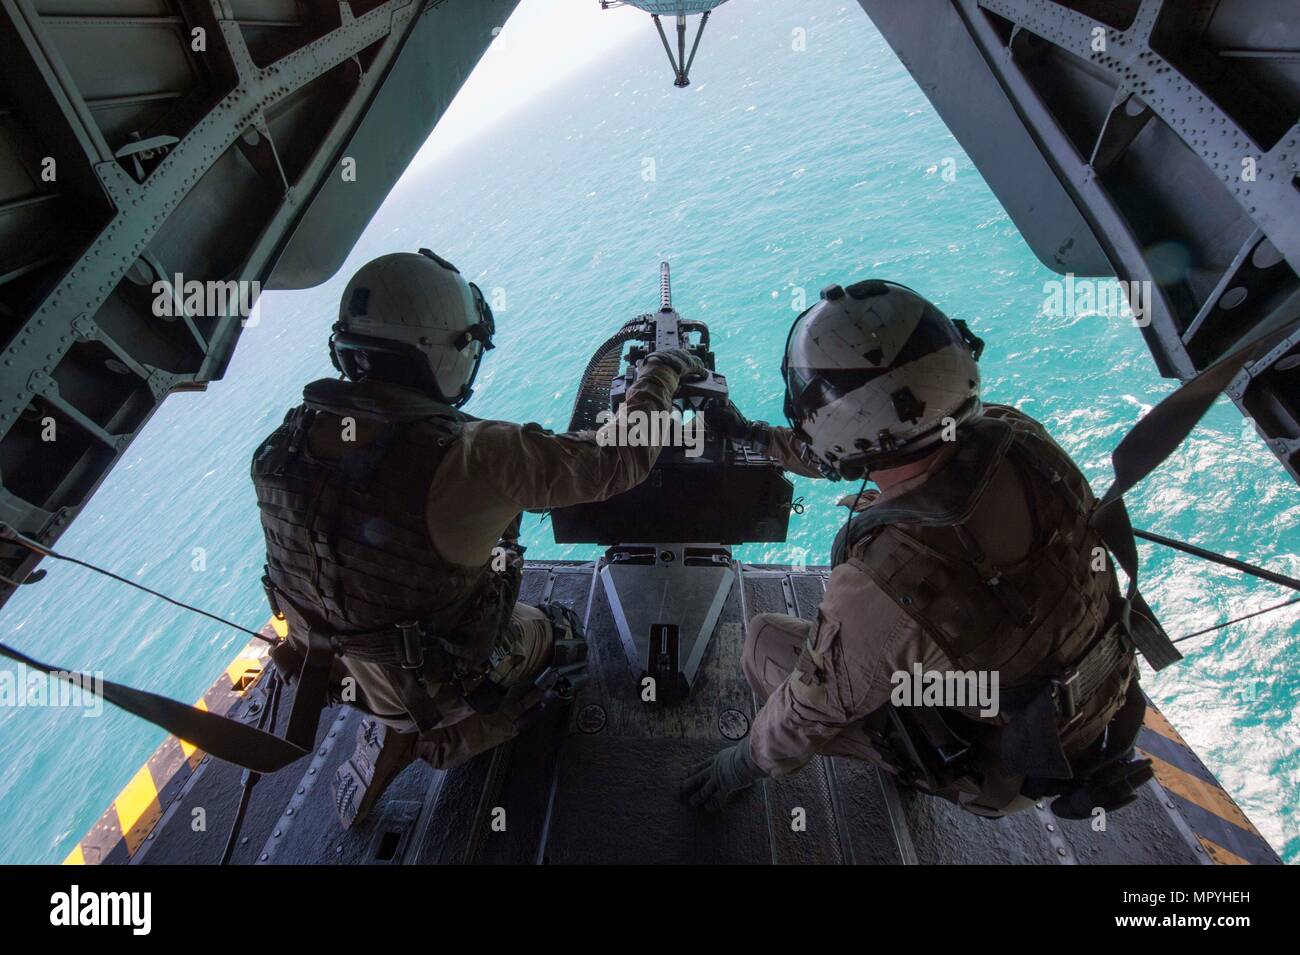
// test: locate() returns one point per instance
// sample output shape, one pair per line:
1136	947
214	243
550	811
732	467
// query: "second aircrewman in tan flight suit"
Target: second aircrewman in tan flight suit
974	556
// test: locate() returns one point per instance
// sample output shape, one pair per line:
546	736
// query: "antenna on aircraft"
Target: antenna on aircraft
681	9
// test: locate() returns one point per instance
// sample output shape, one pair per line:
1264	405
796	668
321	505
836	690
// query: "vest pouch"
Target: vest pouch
1110	776
920	745
471	645
1031	742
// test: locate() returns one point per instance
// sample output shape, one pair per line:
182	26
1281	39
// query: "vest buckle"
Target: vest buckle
410	645
270	590
1065	693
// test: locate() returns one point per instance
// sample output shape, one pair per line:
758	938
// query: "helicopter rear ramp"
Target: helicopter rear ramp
597	783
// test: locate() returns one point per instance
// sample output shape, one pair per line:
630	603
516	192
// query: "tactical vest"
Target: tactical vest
1047	624
349	554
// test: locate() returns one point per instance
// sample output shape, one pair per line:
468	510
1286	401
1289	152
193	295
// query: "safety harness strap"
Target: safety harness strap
1078	681
312	691
219	736
1155	436
1112	523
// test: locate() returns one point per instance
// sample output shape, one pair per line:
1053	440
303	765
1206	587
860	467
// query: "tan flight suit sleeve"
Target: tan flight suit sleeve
532	468
790	450
499	468
862	638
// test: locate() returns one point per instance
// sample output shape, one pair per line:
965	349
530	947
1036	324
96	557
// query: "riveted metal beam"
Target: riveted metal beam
66	315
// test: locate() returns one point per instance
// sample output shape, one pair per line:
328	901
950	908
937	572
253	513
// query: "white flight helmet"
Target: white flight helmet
412	319
873	372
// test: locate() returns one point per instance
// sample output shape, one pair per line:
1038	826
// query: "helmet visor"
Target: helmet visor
485	317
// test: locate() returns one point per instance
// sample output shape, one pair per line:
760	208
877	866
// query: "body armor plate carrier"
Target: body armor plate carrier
1051	626
350	561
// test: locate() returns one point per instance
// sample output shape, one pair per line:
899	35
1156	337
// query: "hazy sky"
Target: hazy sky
543	43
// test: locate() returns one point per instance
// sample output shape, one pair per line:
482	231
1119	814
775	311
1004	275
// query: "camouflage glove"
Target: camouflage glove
681	361
714	781
727	421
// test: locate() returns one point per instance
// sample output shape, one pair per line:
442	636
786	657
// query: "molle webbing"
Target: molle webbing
343	487
345	520
1028	620
937	503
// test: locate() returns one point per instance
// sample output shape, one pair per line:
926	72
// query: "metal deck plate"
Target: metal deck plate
598	783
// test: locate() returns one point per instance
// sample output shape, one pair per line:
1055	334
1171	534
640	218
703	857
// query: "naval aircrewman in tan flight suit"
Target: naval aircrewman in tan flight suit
390	520
974	556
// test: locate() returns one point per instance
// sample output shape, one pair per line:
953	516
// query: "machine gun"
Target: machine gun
667	571
726	494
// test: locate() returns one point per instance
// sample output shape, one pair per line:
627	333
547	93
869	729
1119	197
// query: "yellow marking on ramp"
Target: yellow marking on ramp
138	805
243	671
1206	795
189	749
1156	722
138	799
1220	855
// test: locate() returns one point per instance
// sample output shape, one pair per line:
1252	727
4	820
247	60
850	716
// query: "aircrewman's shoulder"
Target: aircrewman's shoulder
1009	413
850	582
1018	419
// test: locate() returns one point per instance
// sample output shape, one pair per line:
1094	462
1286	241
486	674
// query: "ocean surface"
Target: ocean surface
779	171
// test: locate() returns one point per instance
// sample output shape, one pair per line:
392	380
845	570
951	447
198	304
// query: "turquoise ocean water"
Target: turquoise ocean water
779	170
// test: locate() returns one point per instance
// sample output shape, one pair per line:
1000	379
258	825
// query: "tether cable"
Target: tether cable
1226	561
220	736
1232	562
8	533
1228	623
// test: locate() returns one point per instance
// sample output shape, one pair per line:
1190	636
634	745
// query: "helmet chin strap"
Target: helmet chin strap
854	509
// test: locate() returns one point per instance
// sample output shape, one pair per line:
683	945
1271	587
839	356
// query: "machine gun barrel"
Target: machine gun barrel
665	287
